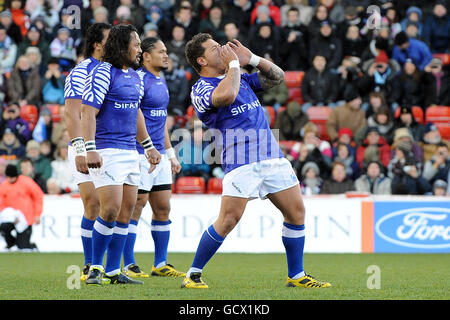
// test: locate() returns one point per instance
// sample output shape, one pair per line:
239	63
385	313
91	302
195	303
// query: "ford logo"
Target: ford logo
424	228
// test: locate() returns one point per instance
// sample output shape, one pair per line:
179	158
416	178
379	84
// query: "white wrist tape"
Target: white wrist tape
147	144
78	145
170	153
234	64
254	60
90	146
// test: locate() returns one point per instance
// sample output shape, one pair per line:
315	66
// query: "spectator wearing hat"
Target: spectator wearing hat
437	28
407	120
12	29
440	188
349	115
178	86
53	83
416	50
373	180
319	85
414	16
21	205
10	147
408	84
63	47
339	182
326	44
404	140
438	166
8	51
380	77
34	38
273	12
373	138
310	179
290	122
22	83
436	84
151	30
42	165
430	141
294	36
345	136
11	120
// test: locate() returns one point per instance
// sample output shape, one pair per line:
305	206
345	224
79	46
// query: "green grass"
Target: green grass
43	276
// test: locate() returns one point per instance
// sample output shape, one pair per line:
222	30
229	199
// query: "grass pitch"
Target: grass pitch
48	276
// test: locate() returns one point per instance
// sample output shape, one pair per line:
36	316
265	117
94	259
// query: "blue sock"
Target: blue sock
209	244
101	236
293	237
128	250
160	235
86	238
115	248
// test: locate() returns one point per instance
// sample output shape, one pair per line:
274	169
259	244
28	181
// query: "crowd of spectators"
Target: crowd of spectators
370	70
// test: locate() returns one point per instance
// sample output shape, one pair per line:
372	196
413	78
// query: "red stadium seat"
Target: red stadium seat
444	130
417	113
438	114
30	113
55	111
272	115
295	94
214	186
190	185
445	58
293	78
319	116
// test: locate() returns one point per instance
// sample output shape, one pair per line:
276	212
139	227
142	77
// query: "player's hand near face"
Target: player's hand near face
153	157
93	160
243	53
227	54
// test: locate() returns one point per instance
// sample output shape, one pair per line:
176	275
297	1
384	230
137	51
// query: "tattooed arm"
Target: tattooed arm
270	75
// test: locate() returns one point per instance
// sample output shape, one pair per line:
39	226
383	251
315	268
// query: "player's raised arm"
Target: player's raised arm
228	89
270	75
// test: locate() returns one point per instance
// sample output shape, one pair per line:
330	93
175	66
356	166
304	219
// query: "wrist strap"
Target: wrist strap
254	60
147	144
78	145
234	64
170	153
90	146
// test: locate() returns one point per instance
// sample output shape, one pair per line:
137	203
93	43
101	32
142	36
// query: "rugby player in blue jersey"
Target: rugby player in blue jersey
225	100
96	36
111	122
155	187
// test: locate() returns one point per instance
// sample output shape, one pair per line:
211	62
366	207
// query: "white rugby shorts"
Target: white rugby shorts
78	176
119	167
258	179
161	176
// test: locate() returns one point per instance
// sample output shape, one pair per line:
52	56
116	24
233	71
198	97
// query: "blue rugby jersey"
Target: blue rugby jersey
117	94
75	81
246	134
154	108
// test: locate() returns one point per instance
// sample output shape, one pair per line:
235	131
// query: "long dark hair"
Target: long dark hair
94	34
117	45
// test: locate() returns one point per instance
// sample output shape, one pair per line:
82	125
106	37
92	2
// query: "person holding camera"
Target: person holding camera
438	166
11	120
436	84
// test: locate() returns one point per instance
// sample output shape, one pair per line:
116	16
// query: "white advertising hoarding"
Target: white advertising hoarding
332	225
